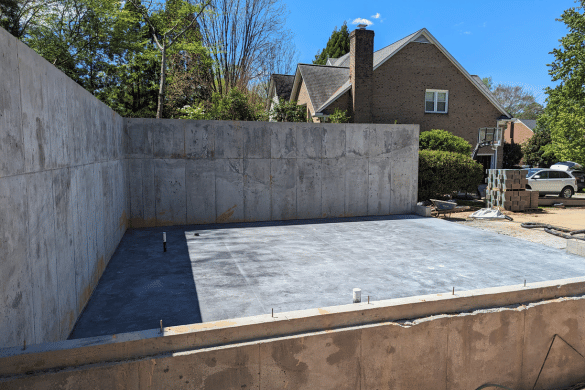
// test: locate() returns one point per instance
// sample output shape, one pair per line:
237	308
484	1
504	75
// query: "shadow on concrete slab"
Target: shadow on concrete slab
142	285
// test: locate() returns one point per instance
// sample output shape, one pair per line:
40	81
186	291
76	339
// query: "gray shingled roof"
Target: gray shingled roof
322	81
283	84
530	123
379	55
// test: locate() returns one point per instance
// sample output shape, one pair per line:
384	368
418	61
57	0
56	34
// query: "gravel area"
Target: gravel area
571	218
512	228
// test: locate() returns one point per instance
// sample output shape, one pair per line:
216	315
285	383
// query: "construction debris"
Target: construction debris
489	214
506	188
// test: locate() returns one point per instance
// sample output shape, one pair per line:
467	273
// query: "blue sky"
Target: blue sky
507	40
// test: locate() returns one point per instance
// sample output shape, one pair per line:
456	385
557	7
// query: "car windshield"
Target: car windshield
532	171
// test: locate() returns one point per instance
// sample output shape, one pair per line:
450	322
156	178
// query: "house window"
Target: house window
436	100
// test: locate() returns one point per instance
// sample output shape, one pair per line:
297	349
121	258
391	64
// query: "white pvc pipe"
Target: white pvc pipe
357	295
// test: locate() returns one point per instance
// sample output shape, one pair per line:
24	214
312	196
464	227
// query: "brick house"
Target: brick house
519	130
414	80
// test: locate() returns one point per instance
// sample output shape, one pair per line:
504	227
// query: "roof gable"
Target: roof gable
321	81
422	36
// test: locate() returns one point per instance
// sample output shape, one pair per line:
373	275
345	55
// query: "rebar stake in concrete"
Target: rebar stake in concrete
24	346
164	241
272	312
161	327
524	282
368	299
453	290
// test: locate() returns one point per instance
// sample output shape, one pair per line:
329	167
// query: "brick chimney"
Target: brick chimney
361	69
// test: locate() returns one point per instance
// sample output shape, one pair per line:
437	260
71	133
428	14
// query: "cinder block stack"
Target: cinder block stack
506	188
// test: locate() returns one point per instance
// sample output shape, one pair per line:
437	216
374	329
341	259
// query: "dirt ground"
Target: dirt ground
571	218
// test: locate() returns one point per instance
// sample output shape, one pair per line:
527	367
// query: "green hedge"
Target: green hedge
442	173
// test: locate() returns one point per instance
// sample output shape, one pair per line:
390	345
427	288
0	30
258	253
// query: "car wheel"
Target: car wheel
566	193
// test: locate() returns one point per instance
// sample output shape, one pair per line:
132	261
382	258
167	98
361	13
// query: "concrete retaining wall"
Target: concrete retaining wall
530	339
63	200
194	172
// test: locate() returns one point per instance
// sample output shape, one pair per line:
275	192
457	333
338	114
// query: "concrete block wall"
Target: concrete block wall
196	172
63	202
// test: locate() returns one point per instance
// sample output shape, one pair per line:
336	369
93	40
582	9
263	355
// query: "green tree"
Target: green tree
514	99
337	45
168	25
564	114
538	149
237	105
512	155
444	141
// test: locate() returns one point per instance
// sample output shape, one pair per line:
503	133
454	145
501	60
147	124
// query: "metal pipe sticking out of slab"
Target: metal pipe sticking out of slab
164	241
161	327
357	295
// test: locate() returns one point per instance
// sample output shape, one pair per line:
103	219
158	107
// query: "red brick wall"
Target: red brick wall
399	93
344	102
521	133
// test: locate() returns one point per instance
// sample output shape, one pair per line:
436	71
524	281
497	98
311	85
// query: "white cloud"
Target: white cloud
467	32
362	21
377	16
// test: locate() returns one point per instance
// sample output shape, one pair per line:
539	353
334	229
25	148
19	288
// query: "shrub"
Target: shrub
288	112
235	106
441	173
444	141
339	116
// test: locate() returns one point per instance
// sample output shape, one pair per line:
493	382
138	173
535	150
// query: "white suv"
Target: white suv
551	181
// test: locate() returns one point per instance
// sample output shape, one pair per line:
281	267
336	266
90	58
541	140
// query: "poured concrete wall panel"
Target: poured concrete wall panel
283	140
256	181
16	289
169	139
170	195
461	342
58	148
229	140
356	187
257	140
58	124
33	85
11	136
379	186
284	189
229	190
484	348
308	188
258	171
43	255
334	141
200	187
332	186
309	141
289	363
199	139
64	233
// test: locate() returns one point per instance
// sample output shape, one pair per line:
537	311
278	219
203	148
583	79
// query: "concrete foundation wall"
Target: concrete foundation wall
63	200
195	172
530	339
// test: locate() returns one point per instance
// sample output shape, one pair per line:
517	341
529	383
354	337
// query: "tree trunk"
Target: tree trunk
161	90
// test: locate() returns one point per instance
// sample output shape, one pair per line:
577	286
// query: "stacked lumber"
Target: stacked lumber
506	188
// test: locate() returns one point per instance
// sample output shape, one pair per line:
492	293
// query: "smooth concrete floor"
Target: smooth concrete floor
239	270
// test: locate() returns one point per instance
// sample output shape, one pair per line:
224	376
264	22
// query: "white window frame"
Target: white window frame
435	96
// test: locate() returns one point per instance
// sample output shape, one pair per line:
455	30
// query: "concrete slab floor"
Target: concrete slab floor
239	270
